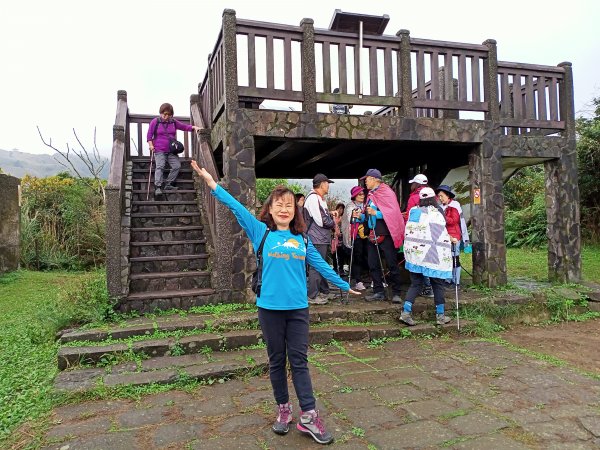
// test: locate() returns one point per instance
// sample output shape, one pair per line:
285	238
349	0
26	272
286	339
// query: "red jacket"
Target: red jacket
413	200
453	222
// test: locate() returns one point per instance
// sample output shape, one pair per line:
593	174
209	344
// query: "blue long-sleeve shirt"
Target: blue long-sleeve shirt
284	256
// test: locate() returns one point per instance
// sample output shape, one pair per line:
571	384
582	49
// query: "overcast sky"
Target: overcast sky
63	61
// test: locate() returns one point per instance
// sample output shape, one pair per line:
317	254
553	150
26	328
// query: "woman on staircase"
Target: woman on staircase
282	303
160	133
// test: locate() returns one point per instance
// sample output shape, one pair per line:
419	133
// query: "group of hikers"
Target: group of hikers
370	232
292	237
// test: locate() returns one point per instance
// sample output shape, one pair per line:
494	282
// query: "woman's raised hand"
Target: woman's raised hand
203	173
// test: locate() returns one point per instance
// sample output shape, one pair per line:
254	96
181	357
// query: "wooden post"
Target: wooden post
405	75
230	61
490	81
309	71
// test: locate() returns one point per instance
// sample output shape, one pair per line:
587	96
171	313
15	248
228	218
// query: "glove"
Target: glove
468	249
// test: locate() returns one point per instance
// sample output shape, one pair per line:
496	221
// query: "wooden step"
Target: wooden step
152	275
162	202
167	294
178	191
168	214
143	244
168	258
169	228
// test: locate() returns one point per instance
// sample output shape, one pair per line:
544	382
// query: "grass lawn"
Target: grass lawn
533	263
28	352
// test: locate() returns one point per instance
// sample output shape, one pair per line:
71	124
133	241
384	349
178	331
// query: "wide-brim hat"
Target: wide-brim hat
447	189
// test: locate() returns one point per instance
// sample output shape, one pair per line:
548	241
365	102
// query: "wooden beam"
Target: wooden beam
283	147
322	155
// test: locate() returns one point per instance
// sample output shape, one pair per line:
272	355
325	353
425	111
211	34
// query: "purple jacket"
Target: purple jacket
164	133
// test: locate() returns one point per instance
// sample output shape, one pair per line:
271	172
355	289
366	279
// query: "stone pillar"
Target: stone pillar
487	217
490	81
309	70
230	60
10	223
562	196
405	75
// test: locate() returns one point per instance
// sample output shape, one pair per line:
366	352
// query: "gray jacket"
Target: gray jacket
319	221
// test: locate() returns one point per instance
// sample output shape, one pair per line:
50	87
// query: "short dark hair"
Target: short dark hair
430	201
166	108
297	224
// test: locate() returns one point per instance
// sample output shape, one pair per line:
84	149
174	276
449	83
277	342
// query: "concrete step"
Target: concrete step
161	202
180	194
167	248
357	311
89	355
184	299
166	369
155	234
168	219
144	170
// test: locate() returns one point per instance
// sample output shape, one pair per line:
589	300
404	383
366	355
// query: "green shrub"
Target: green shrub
527	227
62	224
264	186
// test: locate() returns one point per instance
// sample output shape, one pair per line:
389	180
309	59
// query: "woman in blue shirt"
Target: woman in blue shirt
282	303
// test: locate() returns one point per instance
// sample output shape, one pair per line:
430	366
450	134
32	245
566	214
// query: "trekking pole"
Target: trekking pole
455	286
380	263
352	239
149	174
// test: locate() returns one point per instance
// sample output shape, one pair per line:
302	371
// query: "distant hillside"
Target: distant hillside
18	164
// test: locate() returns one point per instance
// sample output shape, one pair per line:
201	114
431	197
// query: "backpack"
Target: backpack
257	275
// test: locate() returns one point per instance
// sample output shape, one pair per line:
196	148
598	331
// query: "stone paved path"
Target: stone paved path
415	393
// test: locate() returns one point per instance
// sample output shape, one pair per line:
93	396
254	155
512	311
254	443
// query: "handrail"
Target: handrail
142	122
206	159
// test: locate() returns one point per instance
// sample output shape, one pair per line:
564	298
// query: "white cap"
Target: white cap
420	178
426	193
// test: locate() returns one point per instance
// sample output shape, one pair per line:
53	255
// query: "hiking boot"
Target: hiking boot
284	418
406	317
318	300
396	299
376	297
359	286
158	191
442	319
170	187
310	423
426	292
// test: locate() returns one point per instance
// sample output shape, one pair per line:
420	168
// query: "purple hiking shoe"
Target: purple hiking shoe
284	418
310	423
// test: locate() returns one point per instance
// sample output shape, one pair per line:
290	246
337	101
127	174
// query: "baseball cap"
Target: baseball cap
426	193
419	178
319	178
373	173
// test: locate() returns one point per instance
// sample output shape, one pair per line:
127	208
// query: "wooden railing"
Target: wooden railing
529	95
212	88
469	61
304	64
203	154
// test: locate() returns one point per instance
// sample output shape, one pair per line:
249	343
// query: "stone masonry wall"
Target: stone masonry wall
10	222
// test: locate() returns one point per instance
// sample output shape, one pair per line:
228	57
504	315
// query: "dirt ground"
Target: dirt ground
575	342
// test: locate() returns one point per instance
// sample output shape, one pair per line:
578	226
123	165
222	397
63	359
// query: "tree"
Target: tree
91	159
588	155
264	186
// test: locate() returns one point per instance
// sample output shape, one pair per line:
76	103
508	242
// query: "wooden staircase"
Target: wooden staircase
168	260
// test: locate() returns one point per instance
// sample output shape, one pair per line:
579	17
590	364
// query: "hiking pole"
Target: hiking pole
385	285
149	174
352	239
455	286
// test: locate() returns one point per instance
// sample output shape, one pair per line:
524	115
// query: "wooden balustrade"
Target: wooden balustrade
269	60
529	95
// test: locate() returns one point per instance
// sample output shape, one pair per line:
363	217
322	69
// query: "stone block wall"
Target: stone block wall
10	223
